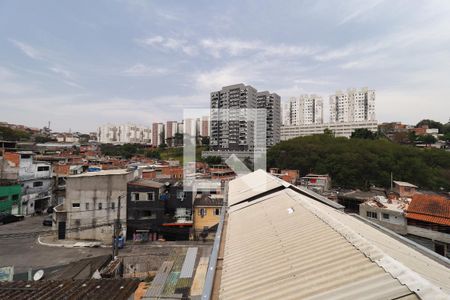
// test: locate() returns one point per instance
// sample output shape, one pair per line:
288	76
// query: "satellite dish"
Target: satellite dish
38	275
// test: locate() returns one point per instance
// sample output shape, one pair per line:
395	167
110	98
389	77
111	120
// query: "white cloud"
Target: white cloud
235	47
362	9
169	43
27	49
61	71
144	70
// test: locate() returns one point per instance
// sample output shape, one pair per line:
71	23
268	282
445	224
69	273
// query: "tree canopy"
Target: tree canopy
359	163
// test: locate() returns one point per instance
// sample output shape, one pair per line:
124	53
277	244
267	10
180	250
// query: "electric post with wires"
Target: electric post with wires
117	229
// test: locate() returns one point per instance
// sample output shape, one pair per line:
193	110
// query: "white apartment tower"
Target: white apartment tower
306	109
352	106
232	125
271	102
123	134
157	134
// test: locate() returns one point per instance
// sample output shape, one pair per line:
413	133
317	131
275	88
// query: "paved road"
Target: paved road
24	252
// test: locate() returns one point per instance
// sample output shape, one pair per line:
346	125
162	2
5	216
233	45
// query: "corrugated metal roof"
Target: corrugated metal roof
69	289
251	185
189	263
287	246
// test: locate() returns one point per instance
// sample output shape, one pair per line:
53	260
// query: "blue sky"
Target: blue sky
80	64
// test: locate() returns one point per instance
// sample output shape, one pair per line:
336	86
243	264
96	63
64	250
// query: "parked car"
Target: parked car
48	221
6	218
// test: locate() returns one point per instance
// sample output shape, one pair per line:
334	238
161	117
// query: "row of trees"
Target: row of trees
360	162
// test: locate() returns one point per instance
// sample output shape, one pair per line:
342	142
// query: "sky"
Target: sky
80	64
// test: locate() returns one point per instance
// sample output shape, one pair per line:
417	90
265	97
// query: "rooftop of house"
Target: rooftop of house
103	173
280	243
382	202
69	289
146	183
405	184
208	200
429	208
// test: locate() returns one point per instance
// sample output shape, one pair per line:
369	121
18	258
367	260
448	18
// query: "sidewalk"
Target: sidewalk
52	241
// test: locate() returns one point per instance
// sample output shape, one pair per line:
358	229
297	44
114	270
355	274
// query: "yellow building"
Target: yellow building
207	211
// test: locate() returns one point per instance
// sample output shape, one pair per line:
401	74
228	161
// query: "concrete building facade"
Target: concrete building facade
158	134
271	102
306	109
338	129
92	203
123	134
231	112
352	106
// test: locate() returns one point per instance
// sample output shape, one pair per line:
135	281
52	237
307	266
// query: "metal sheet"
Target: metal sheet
189	263
280	249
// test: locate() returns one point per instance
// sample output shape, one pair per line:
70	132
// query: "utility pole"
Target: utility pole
117	227
392	181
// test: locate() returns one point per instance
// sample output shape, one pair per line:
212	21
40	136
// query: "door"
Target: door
61	230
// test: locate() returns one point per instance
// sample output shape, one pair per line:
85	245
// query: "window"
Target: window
147	214
202	212
143	196
99	205
113	205
76	205
386	216
3	198
217	211
151	196
372	215
38	183
15	197
43	168
87	206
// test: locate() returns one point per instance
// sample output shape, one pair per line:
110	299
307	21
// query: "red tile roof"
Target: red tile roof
429	208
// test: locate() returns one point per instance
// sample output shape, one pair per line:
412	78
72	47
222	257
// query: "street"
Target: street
19	247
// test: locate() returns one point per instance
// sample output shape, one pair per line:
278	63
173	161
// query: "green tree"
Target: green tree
358	163
363	133
153	154
213	160
430	124
428	139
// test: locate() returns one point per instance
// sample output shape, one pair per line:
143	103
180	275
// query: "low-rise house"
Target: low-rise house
145	210
291	176
428	222
94	200
316	182
158	209
9	197
405	189
35	179
385	212
207	212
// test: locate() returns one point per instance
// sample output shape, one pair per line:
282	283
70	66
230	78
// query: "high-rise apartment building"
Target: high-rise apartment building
157	134
306	109
232	118
123	134
352	106
170	132
271	102
205	126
